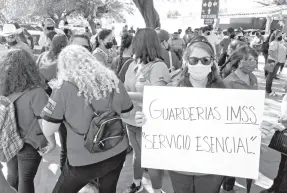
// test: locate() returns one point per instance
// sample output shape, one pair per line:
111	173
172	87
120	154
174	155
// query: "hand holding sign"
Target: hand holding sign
140	118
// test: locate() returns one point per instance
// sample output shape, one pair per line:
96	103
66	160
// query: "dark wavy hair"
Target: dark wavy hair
102	35
18	72
240	53
146	45
59	42
126	42
233	61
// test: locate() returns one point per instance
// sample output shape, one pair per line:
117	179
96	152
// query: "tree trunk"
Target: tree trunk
147	10
92	25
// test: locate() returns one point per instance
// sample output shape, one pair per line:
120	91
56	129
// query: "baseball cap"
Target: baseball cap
163	35
49	22
10	29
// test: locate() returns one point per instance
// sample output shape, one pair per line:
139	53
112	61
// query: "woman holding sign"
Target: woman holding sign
147	69
200	71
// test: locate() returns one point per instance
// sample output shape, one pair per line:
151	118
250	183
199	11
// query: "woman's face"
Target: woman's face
108	41
248	64
199	63
109	38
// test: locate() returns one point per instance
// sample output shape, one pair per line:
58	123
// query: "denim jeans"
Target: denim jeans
135	136
63	140
270	78
195	184
23	168
280	182
73	179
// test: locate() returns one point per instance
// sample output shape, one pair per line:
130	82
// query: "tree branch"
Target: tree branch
69	12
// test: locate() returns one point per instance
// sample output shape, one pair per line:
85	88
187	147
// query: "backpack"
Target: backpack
106	130
10	140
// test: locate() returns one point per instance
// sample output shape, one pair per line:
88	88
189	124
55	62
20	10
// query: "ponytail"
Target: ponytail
126	42
97	43
120	64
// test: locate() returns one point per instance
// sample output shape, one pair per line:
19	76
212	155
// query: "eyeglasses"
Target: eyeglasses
50	28
195	60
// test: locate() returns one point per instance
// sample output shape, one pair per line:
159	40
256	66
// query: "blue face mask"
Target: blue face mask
247	66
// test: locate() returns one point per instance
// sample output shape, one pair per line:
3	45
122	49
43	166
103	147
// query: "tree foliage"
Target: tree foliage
97	9
271	2
23	10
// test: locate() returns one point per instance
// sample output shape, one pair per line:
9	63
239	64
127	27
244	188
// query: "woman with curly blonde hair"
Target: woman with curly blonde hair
20	77
83	84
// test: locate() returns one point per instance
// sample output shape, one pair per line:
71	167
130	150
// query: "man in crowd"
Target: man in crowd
93	38
177	45
10	33
132	31
169	57
224	45
220	37
210	36
49	26
187	36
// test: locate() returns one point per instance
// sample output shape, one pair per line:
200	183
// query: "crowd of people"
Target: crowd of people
79	78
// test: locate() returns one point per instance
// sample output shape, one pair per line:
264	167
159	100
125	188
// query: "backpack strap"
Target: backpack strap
39	60
171	67
13	97
128	62
110	104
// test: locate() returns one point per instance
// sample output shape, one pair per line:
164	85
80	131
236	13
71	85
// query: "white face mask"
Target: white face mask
199	71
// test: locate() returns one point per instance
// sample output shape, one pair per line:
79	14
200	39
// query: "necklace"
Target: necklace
107	55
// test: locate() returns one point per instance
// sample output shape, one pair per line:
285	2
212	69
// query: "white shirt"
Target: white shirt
212	38
44	40
282	52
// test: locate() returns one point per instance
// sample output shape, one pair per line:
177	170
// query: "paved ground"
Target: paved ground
49	171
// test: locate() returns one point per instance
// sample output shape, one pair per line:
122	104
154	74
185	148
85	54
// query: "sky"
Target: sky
190	9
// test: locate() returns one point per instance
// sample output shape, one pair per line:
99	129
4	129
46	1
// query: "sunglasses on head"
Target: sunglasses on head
87	47
50	28
11	36
195	60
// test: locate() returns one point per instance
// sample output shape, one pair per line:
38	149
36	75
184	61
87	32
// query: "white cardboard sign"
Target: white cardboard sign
208	131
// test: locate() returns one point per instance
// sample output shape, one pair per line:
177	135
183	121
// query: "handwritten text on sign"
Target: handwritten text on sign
210	131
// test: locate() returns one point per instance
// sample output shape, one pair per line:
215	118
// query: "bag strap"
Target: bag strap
110	104
13	97
170	61
127	62
39	59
